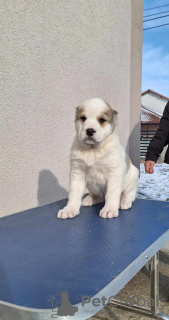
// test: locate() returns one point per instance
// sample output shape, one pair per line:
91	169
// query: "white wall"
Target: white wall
135	81
55	55
153	102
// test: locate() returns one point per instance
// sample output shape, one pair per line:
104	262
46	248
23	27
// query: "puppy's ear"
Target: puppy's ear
78	112
112	115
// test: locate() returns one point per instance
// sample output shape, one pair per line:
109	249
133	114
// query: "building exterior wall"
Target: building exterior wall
55	55
135	80
149	127
153	102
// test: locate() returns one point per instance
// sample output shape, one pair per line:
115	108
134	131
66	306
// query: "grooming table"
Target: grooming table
42	258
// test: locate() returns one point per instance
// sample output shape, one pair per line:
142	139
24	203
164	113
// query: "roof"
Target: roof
158	94
149	117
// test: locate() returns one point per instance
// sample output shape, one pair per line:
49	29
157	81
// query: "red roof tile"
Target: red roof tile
148	116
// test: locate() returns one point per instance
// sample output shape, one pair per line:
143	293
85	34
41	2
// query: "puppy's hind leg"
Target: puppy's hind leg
129	193
91	200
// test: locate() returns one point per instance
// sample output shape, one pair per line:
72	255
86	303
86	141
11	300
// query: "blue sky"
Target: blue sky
155	66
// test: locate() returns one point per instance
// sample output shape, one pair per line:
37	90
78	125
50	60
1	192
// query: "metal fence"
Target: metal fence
146	136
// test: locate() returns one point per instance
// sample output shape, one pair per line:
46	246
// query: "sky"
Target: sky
155	63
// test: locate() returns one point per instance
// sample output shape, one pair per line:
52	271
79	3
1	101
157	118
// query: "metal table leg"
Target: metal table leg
154	311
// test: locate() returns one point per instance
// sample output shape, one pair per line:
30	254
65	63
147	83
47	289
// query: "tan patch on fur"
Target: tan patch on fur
80	112
102	116
128	161
110	115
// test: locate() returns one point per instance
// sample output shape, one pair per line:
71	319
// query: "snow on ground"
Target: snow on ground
154	186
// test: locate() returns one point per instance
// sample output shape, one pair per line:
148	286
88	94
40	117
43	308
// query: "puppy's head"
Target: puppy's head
94	121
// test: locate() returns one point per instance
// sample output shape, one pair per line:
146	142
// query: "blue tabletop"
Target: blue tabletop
41	256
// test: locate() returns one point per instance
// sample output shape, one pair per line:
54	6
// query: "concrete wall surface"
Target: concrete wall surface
55	55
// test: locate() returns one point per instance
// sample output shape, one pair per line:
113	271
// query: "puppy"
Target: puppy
99	162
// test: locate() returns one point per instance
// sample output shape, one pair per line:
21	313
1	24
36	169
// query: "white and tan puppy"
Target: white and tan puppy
99	162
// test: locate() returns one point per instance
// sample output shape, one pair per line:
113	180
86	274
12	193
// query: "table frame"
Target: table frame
154	280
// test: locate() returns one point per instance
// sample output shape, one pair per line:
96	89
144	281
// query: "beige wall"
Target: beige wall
135	80
55	55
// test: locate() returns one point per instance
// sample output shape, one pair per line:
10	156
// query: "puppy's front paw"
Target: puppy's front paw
109	212
67	212
125	204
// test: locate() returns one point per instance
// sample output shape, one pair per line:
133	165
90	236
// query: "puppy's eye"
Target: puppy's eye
83	119
102	120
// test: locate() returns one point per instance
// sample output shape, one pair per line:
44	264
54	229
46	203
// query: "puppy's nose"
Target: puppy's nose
90	132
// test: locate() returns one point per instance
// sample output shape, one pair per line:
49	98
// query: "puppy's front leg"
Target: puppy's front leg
112	197
77	188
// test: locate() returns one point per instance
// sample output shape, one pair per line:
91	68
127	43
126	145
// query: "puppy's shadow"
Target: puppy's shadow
49	189
132	148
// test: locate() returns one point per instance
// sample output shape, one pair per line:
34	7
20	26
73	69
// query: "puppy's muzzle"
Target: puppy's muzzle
90	132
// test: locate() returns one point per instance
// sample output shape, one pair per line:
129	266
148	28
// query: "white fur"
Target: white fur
99	164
